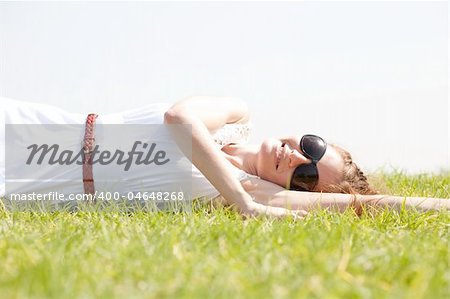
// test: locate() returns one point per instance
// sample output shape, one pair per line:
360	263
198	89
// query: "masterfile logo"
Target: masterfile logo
140	153
125	158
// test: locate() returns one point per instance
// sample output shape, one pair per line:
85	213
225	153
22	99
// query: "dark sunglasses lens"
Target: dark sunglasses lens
304	178
313	146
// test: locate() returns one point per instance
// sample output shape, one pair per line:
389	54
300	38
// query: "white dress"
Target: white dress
19	112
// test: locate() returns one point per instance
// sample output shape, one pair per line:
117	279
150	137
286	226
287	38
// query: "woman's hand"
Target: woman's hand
253	209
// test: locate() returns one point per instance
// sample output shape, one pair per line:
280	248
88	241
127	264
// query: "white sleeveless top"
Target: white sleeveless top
19	112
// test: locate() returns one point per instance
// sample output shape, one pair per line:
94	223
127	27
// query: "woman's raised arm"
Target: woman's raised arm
206	115
269	194
214	112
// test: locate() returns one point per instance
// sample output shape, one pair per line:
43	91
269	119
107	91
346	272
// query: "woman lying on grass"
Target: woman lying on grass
295	173
279	177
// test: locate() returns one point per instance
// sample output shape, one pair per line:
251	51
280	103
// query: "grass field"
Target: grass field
216	254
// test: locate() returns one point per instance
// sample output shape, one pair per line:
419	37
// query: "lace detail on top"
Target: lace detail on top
232	133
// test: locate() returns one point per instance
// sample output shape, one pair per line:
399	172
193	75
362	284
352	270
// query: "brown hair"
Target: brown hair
354	181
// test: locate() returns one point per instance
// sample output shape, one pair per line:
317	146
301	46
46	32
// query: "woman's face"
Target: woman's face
276	163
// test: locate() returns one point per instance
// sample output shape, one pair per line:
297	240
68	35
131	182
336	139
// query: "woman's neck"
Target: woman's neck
243	156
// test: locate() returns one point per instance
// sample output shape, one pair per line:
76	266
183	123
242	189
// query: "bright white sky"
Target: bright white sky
371	77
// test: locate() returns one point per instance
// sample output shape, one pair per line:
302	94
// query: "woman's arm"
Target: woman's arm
206	115
270	194
214	112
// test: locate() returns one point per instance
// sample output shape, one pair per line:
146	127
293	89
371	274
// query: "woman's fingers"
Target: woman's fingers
256	209
299	214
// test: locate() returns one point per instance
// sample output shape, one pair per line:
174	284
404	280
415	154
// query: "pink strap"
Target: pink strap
88	147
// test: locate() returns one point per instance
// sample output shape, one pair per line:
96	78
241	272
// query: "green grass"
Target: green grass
208	254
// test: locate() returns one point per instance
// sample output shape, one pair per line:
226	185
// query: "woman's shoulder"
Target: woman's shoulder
255	185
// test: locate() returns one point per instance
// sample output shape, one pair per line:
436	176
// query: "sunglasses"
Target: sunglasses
306	176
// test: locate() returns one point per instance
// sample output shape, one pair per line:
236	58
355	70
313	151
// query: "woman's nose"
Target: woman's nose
296	159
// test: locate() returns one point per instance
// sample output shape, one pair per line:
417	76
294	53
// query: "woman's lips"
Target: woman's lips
278	155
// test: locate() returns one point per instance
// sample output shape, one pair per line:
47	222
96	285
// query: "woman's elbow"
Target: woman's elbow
174	115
